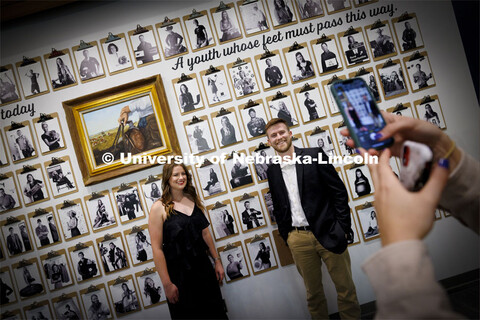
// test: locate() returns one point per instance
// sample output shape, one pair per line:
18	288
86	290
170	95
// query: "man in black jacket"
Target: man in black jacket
311	209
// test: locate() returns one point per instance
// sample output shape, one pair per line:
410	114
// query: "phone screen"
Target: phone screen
360	112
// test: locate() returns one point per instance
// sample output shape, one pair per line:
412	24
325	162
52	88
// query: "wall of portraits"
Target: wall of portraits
71	247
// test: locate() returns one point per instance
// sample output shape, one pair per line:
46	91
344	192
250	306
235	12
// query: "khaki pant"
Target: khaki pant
308	254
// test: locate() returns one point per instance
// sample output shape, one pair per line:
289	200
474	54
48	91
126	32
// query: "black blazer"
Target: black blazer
323	196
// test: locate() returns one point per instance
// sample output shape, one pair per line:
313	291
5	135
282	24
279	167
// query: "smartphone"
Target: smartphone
416	165
360	112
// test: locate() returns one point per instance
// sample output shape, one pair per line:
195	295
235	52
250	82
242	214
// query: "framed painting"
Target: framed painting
97	124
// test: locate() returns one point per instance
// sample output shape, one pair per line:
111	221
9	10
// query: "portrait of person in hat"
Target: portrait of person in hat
173	42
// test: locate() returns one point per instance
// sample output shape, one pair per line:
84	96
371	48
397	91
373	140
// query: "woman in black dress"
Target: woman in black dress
362	186
180	239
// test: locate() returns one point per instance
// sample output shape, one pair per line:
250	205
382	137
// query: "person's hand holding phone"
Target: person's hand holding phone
406	128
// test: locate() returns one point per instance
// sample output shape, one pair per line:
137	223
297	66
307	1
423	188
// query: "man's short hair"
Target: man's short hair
273	122
250	111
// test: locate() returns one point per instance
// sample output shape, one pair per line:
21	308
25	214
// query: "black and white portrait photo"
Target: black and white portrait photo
250	213
32	78
282	12
283	108
322	140
3	152
45	229
9	199
372	83
129	204
368	223
432	112
85	263
125	297
216	87
73	221
327	56
100	211
17	238
310	8
393	80
299	63
28	279
20	143
408	33
254	17
262	255
61	178
113	255
57	272
226	24
211	180
354	48
407	111
234	263
33	186
310	104
60	70
41	312
360	181
254	120
9	90
268	201
419	73
243	79
226	128
238	173
271	72
381	41
89	63
49	135
7	288
117	55
145	47
140	246
96	304
172	39
152	289
223	221
199	31
152	191
68	309
262	161
188	95
345	150
337	5
199	137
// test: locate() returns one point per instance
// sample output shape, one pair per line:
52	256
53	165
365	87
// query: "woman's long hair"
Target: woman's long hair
167	193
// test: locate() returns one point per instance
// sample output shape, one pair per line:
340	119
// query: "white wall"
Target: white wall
279	293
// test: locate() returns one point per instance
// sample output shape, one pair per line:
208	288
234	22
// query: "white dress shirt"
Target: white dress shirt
289	173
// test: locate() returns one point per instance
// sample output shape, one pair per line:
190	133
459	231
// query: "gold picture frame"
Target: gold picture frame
91	112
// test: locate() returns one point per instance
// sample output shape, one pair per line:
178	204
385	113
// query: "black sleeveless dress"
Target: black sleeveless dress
190	268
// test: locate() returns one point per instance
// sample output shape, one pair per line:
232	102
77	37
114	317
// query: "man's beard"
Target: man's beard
281	150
